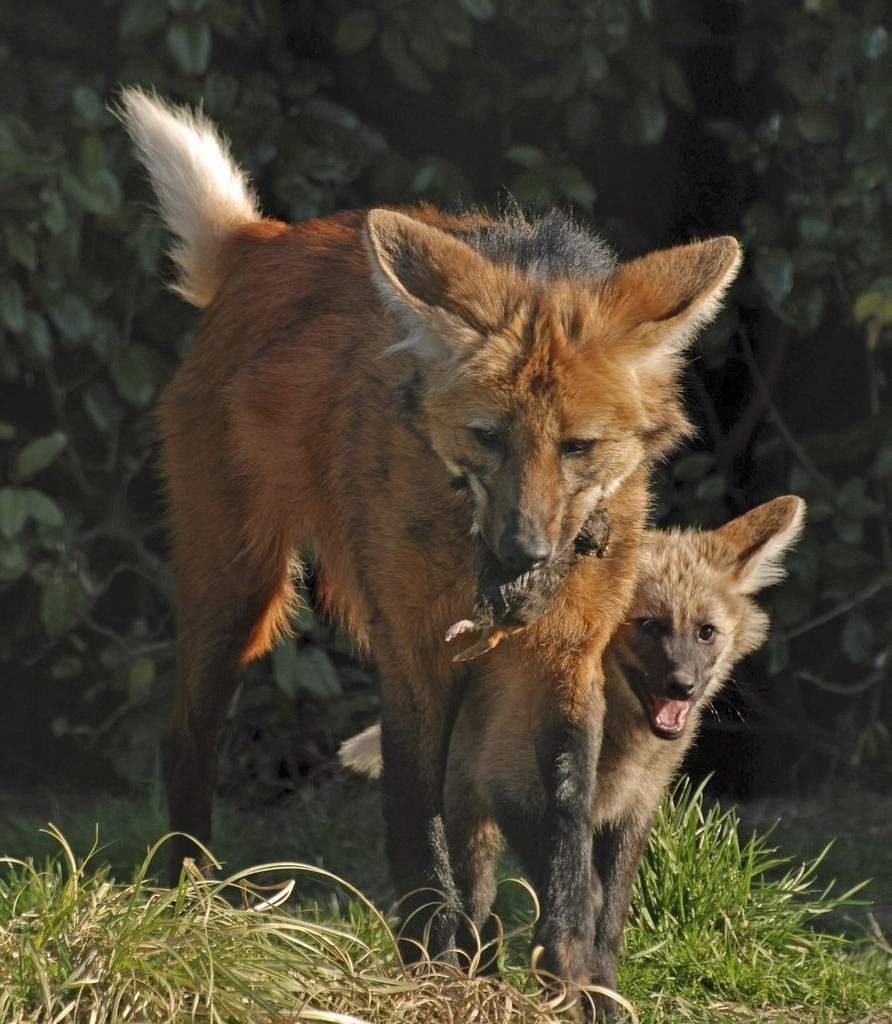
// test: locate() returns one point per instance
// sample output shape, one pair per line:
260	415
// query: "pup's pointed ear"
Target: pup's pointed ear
760	538
662	299
444	292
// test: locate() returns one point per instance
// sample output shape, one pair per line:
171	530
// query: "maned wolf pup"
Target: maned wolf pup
348	372
692	618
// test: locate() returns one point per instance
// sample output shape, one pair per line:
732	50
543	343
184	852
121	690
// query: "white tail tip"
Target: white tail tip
203	195
362	753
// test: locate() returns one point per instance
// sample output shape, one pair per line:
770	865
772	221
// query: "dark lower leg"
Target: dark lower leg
569	888
474	845
191	752
416	841
617	853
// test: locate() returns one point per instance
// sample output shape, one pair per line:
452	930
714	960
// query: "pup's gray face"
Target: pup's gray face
674	669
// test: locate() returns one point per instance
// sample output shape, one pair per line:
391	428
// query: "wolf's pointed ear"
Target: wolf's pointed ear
760	538
441	289
662	299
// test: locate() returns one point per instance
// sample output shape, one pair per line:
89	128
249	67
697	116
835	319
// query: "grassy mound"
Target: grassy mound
720	931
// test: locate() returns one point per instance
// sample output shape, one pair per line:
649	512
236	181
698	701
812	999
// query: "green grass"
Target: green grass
721	930
735	923
861	822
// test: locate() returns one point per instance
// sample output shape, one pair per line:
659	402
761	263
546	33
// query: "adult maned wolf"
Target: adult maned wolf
692	619
372	389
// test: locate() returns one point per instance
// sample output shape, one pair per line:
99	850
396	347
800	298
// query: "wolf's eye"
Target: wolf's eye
577	446
706	634
486	436
647	625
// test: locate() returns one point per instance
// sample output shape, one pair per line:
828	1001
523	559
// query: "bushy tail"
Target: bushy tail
202	193
362	753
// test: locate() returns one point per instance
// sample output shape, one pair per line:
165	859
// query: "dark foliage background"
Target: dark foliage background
659	121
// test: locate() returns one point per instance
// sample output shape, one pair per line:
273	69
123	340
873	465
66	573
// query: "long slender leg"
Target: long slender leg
617	853
569	887
554	840
218	631
233	596
414	749
474	843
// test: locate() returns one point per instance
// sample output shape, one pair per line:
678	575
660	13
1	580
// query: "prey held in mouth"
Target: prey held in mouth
505	607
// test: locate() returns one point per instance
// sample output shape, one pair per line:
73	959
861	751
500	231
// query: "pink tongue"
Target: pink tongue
670	714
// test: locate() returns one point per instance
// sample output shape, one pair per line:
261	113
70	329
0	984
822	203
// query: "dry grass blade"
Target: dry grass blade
75	946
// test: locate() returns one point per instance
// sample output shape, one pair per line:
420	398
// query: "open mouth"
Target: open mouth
667	716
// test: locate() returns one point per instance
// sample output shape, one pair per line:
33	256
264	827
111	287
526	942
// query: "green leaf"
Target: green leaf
355	31
456	27
13	511
778	653
692	467
40	453
71	315
580	118
480	10
405	67
858	639
99	194
317	673
134	370
102	407
762	223
712	488
430	47
88	104
875	42
307	669
220	92
648	119
21	246
140	18
140	679
7	431
774	270
597	67
54	215
93	158
573	186
67	667
882	466
189	43
676	86
12	305
285	669
39	337
817	125
43	509
813	228
62	603
526	156
873	305
13	563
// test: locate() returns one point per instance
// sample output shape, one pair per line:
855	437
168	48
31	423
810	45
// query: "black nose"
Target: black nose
518	554
679	688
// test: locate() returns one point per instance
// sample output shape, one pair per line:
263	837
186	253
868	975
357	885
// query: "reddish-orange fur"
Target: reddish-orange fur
285	429
365	392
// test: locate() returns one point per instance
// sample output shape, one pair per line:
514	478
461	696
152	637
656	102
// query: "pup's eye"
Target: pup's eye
486	436
647	625
706	634
577	446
